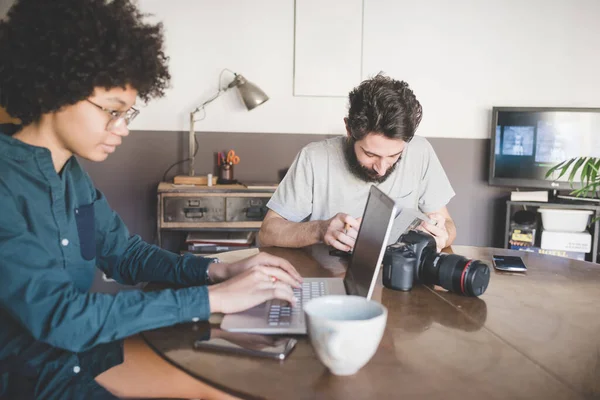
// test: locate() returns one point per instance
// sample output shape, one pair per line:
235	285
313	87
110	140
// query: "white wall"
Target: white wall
254	38
464	56
461	57
335	65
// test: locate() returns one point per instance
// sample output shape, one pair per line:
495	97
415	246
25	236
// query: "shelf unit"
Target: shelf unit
512	206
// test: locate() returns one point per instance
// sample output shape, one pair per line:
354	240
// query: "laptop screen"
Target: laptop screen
370	244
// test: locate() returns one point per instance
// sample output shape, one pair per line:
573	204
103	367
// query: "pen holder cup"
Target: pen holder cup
226	172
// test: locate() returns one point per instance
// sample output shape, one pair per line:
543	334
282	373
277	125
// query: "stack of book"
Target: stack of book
217	242
560	253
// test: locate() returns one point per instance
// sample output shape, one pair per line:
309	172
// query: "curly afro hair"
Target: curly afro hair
386	106
55	52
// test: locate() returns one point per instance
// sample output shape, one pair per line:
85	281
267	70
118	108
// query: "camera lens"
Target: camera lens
459	274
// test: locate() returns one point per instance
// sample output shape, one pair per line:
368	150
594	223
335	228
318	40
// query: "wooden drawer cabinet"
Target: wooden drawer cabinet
194	209
220	207
246	208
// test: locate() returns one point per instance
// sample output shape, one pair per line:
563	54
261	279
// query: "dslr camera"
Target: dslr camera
414	259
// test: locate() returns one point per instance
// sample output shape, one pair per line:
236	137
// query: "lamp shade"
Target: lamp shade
252	95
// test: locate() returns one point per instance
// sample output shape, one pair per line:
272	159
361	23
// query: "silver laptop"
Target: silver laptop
278	317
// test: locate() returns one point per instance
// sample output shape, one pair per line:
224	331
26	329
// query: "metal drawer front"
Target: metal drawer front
194	209
246	208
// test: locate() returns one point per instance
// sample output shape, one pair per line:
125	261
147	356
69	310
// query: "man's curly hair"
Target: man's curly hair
385	106
55	52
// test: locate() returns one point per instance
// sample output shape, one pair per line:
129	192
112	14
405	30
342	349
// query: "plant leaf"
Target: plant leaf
594	176
554	168
565	167
575	168
585	174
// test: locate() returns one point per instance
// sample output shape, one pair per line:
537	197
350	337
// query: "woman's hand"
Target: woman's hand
250	288
220	272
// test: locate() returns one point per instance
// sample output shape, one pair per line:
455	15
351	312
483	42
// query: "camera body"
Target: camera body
402	260
414	259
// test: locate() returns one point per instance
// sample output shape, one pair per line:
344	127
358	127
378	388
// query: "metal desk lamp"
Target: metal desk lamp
252	96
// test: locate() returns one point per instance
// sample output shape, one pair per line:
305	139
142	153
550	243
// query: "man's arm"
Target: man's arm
449	225
445	231
339	232
436	193
278	231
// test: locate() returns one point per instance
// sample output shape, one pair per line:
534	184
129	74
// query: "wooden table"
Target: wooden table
533	336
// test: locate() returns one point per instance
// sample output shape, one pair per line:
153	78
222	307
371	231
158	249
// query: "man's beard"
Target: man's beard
359	170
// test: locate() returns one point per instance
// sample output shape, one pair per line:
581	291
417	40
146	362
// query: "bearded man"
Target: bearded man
324	192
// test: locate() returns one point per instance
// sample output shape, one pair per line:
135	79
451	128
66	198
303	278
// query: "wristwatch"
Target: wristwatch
207	277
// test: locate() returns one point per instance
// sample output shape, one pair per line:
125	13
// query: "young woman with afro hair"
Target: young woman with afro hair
71	71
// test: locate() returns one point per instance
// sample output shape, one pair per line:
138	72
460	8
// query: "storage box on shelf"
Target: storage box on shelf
565	219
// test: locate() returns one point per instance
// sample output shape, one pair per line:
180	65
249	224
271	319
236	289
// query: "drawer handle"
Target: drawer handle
195	212
255	212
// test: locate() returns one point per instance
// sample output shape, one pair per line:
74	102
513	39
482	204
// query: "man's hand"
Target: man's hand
340	231
438	231
250	288
220	272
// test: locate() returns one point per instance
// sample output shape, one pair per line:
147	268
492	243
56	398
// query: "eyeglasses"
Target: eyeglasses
117	118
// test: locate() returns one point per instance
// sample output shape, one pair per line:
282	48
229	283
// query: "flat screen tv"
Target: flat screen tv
527	142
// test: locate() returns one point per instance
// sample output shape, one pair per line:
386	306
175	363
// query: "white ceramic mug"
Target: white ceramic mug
345	331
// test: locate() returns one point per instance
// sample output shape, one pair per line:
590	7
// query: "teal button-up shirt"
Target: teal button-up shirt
55	229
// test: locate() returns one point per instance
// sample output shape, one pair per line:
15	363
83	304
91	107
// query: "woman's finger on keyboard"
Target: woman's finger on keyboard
270	260
276	290
283	292
279	275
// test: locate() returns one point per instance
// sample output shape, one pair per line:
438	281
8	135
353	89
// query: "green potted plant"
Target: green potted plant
588	175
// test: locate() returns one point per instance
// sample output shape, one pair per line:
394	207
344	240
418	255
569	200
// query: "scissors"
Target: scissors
232	158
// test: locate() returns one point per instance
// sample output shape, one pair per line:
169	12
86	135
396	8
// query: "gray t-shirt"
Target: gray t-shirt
319	183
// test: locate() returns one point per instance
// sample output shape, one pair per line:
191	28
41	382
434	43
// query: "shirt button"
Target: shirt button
64	242
76	369
195	319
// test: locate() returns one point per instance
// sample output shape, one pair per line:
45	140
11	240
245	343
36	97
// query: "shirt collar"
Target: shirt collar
14	148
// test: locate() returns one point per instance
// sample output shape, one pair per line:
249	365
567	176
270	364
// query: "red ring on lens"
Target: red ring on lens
462	277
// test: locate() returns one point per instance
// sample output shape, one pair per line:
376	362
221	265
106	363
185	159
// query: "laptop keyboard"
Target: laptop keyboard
282	314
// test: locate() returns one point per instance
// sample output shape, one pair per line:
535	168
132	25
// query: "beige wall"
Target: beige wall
129	177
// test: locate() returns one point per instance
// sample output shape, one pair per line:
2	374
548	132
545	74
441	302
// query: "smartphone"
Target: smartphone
249	344
509	263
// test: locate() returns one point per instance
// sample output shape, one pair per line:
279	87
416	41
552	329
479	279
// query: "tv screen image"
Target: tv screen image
518	140
527	142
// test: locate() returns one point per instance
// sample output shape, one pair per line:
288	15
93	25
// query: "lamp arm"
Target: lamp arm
192	136
210	100
234	82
